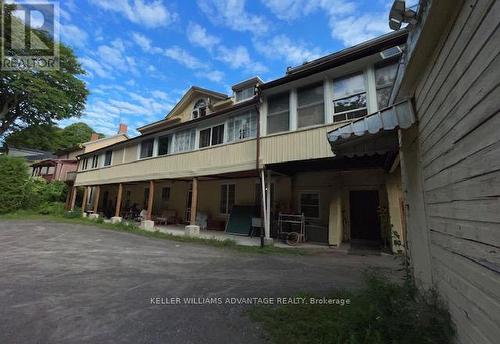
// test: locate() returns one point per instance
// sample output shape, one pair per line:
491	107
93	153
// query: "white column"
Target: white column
268	205
371	90
293	109
328	97
264	214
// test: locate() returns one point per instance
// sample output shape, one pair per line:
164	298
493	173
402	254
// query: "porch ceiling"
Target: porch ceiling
335	163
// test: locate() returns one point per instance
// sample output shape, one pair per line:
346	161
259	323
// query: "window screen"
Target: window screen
147	148
107	158
278	113
349	98
310	106
164	144
384	79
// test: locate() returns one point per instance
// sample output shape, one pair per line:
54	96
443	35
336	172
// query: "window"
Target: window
107	157
164	145
349	98
165	193
199	108
205	137
310	106
85	163
384	79
212	136
278	113
242	127
147	148
309	204
184	140
227	194
244	94
95	161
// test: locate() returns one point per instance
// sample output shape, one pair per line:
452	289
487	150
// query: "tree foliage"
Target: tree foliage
13	179
49	137
33	97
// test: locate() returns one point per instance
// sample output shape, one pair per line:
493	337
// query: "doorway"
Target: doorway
365	221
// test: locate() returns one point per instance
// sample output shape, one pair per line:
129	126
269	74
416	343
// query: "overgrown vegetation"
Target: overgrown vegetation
382	312
20	191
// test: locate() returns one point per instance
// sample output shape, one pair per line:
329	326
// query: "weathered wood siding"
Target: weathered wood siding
458	155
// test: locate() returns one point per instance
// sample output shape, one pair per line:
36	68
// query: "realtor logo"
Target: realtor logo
31	36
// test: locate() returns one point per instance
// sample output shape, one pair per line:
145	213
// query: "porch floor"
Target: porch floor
239	239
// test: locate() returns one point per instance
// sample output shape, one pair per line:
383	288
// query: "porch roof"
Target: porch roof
372	134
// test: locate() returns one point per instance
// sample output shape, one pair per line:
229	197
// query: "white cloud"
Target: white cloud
148	13
344	18
94	67
184	57
283	47
232	13
198	36
160	94
238	57
213	75
145	43
73	35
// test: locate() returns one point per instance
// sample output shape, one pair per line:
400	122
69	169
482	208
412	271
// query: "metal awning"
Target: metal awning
373	134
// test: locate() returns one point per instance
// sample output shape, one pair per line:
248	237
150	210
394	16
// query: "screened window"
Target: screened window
349	98
309	204
218	135
227	196
147	148
310	106
164	145
278	113
242	127
205	137
384	79
165	193
107	158
244	94
199	108
184	140
95	161
85	163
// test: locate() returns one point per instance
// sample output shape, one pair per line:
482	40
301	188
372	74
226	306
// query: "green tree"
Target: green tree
44	137
73	135
13	182
31	97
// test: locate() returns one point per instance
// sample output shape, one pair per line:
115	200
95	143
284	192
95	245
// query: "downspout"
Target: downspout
259	171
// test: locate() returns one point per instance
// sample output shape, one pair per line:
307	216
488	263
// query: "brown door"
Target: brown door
365	222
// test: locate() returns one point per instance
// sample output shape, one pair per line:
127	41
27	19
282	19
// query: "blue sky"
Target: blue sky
142	55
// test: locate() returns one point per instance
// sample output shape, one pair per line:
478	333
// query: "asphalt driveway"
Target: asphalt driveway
62	283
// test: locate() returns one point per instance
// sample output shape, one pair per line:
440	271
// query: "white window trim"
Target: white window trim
303	192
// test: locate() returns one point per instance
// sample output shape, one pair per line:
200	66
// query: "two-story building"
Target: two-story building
264	146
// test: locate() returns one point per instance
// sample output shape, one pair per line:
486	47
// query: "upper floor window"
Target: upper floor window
349	98
85	163
199	108
165	145
384	79
147	148
212	136
184	140
244	94
278	113
107	157
95	161
310	106
242	127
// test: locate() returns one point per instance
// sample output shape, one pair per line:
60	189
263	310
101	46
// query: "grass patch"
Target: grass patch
75	218
381	312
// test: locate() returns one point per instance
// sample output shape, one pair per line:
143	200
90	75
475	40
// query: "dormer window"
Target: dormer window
244	94
200	108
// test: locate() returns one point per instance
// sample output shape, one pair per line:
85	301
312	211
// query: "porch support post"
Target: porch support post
264	207
96	200
84	201
268	205
73	198
119	200
150	199
194	202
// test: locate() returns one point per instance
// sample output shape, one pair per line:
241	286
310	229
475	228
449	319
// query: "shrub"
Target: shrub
54	208
73	214
13	179
382	312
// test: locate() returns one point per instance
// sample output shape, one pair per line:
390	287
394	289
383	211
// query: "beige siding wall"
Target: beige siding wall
298	145
227	158
92	146
453	170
